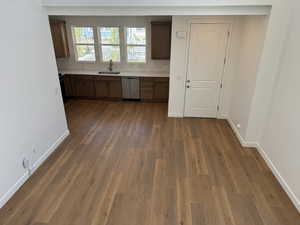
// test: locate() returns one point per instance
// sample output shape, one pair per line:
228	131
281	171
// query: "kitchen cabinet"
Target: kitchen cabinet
161	40
101	88
84	86
152	89
147	88
59	38
108	87
115	89
161	89
155	89
68	83
92	86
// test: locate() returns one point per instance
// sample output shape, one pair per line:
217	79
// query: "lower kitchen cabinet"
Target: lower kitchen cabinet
155	89
102	89
147	88
161	89
152	89
108	87
84	86
89	86
115	89
68	82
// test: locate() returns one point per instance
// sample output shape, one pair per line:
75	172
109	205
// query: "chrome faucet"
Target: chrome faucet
110	67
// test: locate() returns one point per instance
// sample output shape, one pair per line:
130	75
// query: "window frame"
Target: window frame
75	44
100	44
135	45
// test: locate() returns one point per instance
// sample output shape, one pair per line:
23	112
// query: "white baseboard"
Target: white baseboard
244	143
13	190
280	179
36	165
175	115
52	148
222	116
270	164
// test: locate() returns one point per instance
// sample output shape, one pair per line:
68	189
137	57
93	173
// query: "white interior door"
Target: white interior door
206	59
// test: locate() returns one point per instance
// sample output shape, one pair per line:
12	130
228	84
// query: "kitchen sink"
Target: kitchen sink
108	72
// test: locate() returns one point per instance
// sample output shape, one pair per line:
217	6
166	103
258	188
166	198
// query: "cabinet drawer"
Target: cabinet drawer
161	79
75	76
108	78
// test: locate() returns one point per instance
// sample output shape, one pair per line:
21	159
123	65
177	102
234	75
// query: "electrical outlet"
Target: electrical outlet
26	163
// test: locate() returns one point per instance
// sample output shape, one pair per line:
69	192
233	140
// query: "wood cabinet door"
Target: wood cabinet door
160	40
161	91
115	89
59	38
101	89
68	82
147	88
84	87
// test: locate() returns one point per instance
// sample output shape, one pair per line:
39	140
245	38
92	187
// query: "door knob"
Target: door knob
188	86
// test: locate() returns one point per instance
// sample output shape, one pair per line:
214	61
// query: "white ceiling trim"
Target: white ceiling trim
158	3
156	10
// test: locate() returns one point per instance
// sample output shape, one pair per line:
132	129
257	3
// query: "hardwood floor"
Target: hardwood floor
126	163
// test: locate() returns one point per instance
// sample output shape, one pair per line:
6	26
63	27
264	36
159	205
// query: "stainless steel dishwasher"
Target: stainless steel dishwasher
131	88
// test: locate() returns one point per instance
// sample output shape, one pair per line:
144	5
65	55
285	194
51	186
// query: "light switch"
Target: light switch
181	34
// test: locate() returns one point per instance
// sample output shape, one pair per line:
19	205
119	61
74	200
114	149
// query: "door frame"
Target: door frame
229	21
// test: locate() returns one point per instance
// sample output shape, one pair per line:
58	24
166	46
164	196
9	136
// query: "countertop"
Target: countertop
122	74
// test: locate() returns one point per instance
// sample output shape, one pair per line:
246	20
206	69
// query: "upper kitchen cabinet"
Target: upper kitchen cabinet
161	40
59	37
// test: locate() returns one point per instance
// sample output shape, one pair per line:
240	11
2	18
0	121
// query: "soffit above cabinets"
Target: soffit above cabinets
146	7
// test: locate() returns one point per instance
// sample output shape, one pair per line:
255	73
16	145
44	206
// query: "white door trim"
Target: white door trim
229	22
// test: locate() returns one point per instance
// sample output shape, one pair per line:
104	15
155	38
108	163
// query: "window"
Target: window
83	38
110	44
136	45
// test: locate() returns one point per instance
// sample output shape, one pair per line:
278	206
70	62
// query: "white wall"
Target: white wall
268	69
177	68
280	140
31	109
250	45
120	21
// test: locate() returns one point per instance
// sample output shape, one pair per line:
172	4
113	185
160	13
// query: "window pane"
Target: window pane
110	52
136	36
110	35
136	53
85	53
83	35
